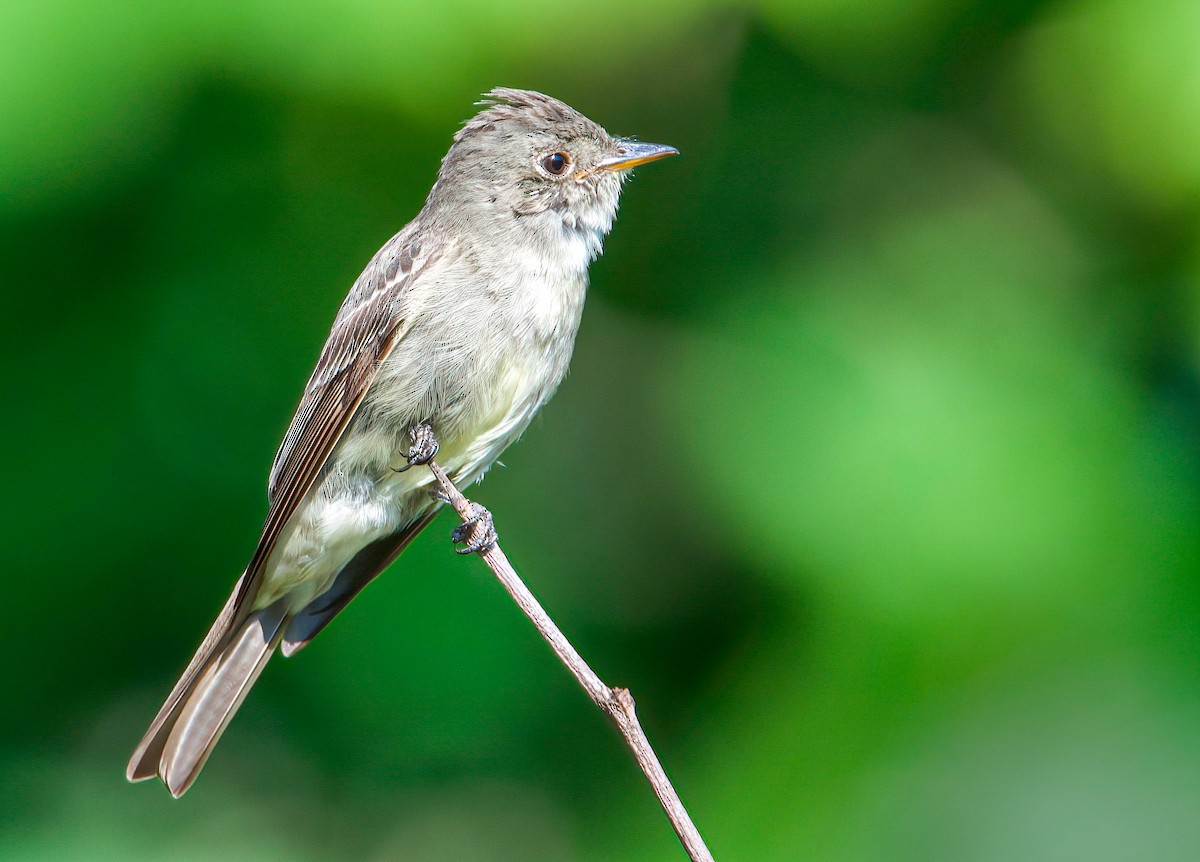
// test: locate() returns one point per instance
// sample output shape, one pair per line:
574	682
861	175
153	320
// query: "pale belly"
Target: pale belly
363	497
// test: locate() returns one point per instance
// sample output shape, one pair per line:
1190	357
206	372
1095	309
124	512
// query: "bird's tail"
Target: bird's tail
216	681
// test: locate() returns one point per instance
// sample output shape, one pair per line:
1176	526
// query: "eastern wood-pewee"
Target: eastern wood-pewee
464	321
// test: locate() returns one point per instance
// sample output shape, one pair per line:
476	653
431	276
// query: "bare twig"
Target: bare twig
616	702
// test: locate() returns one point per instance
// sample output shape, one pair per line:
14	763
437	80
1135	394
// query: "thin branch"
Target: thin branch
616	702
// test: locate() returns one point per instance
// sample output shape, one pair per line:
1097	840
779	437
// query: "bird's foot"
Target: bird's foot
424	446
478	532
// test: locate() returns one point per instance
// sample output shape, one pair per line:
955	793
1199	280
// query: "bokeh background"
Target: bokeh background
875	478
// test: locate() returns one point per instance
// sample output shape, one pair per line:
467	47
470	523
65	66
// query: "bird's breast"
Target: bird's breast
529	355
478	372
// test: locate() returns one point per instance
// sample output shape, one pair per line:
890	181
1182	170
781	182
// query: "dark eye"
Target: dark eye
556	163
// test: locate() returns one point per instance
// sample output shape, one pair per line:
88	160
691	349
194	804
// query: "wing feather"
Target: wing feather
367	326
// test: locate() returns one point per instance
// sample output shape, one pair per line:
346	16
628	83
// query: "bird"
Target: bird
456	333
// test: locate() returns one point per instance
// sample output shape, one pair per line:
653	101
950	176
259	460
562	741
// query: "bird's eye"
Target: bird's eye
556	163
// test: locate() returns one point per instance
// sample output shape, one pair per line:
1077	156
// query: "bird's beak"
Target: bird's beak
630	154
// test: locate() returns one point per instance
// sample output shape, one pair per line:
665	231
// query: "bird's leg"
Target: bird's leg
478	532
424	446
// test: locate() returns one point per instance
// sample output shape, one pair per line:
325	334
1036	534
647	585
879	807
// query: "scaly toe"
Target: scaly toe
478	532
424	446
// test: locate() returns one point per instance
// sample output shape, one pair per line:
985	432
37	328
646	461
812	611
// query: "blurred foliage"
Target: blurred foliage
876	476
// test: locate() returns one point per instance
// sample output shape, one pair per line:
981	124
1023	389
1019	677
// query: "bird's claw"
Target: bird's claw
424	446
478	532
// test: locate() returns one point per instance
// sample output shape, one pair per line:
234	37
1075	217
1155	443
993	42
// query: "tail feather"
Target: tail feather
144	762
181	738
219	691
233	654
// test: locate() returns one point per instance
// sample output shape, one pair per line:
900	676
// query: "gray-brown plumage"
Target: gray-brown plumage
464	320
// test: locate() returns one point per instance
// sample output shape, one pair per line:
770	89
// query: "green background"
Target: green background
875	478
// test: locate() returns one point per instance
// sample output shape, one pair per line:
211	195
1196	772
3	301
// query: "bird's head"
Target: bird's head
532	160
